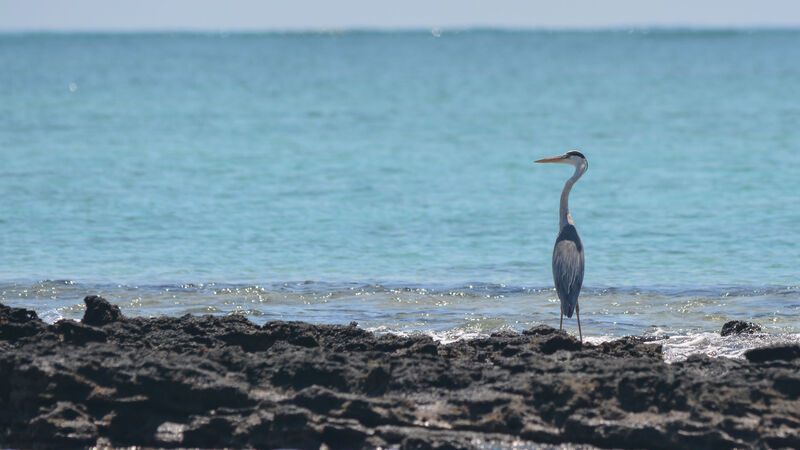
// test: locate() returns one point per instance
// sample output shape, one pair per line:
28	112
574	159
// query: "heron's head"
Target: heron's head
572	157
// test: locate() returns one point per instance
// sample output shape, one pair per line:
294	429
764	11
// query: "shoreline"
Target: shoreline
222	381
446	311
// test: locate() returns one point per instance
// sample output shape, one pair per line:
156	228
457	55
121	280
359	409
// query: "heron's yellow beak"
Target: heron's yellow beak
552	159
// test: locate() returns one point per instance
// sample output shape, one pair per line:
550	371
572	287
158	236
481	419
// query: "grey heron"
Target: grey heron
568	261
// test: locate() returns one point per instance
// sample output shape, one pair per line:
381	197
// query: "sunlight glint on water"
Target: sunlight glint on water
134	164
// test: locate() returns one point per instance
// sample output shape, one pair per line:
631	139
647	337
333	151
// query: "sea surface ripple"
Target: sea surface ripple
189	173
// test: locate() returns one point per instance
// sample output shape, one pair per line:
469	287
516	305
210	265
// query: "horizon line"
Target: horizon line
408	29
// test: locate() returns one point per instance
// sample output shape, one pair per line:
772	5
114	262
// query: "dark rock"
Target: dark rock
17	322
377	381
632	346
541	330
774	353
99	311
207	432
735	327
554	342
222	381
345	436
788	383
318	399
65	425
249	341
77	333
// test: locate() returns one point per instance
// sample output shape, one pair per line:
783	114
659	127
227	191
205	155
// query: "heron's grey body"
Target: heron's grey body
568	268
568	261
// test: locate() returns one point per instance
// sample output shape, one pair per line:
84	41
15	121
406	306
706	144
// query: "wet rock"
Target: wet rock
222	381
774	353
99	311
735	327
634	346
541	330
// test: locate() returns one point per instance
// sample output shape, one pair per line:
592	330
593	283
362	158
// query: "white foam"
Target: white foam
597	340
678	348
443	337
50	316
674	348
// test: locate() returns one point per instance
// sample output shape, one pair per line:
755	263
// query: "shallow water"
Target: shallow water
689	319
196	173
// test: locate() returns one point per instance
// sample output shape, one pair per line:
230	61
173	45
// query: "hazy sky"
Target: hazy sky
337	14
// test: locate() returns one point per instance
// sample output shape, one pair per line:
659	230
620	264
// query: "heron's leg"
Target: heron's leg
578	312
561	324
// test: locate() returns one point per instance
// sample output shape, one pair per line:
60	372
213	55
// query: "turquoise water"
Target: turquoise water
138	164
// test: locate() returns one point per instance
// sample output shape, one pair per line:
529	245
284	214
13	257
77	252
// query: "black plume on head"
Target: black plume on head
576	153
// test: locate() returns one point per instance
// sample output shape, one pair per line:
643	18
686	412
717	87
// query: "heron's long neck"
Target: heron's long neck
563	214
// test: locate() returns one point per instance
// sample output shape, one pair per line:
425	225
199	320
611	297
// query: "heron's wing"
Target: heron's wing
568	268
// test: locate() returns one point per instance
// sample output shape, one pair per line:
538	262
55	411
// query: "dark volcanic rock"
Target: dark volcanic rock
739	327
786	352
225	382
99	311
18	322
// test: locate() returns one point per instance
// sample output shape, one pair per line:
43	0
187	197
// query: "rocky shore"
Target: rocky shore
210	381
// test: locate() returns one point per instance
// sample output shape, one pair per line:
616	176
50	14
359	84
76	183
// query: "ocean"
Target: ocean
387	178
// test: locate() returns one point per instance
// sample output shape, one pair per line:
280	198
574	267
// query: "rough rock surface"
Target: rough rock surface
99	312
735	327
225	382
